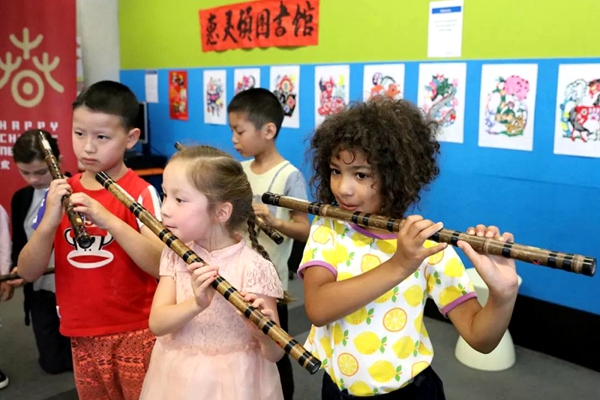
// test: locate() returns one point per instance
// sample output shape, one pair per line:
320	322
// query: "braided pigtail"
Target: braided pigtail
254	236
252	231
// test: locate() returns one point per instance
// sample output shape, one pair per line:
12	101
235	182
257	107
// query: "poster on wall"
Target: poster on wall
245	78
507	106
268	23
442	97
332	90
38	80
215	96
178	100
285	84
383	80
577	125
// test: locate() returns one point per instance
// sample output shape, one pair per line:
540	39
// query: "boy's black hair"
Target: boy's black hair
112	98
260	106
396	139
27	149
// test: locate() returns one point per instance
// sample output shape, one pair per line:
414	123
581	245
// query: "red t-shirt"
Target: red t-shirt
100	290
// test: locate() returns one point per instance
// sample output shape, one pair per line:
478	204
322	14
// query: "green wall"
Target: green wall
166	34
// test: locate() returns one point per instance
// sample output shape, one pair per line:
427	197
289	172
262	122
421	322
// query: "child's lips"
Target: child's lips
348	207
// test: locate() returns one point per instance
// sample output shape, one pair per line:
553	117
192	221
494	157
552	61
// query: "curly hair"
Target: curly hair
397	140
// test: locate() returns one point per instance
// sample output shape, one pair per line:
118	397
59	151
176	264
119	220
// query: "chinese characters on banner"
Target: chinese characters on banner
266	23
38	80
178	101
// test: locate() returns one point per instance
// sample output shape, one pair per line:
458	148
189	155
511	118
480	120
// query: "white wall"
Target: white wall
98	27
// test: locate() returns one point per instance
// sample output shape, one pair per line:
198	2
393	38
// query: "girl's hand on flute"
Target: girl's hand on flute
54	208
92	209
267	306
261	305
410	251
499	273
202	278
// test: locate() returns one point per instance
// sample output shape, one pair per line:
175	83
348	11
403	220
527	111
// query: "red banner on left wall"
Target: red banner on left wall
265	23
38	80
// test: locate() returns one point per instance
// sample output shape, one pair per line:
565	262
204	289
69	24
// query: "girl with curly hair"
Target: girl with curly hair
365	289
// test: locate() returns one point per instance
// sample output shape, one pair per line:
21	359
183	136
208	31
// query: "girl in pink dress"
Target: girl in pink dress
205	348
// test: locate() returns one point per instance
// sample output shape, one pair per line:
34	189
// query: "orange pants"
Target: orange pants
111	367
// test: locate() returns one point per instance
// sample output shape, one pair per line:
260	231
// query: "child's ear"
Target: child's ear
223	212
132	137
269	131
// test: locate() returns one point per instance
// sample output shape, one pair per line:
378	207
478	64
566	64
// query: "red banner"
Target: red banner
266	23
178	102
38	80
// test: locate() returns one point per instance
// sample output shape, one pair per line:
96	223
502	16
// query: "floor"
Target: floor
534	376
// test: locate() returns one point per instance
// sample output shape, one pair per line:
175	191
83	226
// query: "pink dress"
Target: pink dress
215	356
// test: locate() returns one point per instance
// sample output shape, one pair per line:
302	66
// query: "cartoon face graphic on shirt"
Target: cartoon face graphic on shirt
93	256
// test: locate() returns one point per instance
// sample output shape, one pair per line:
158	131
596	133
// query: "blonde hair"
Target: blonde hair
221	178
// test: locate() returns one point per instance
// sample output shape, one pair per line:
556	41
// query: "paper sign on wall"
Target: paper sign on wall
445	28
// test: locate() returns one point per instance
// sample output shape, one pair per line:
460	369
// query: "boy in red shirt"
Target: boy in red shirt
104	292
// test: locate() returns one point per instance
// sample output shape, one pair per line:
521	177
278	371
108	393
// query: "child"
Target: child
255	117
104	292
54	349
205	349
6	291
365	289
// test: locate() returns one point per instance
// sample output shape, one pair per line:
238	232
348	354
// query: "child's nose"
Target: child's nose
164	210
345	186
88	147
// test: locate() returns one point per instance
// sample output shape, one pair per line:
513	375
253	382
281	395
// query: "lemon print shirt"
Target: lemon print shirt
384	345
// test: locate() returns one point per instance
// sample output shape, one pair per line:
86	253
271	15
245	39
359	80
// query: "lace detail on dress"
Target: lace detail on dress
168	259
220	329
260	277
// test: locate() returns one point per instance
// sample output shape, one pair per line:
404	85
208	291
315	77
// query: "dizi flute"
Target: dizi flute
262	225
79	232
554	259
270	232
268	326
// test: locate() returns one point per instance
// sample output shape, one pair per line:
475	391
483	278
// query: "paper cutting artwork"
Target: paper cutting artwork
285	84
577	127
383	80
178	101
332	91
215	95
507	106
246	78
442	97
